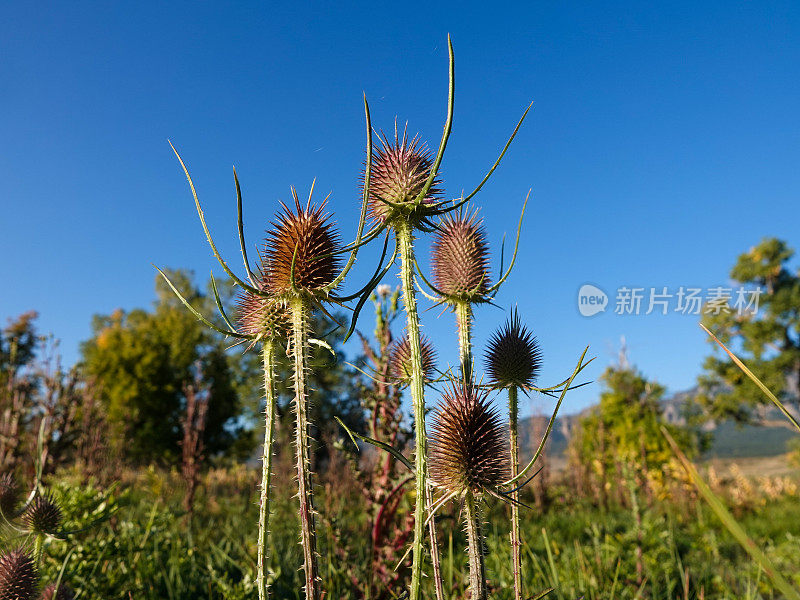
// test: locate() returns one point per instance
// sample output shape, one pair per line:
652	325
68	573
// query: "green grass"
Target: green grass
582	550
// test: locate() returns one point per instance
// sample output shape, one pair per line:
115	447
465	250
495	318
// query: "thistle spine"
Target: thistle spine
477	570
463	311
516	543
268	351
299	309
405	243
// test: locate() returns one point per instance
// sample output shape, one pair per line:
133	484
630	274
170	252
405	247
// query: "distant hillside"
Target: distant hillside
769	437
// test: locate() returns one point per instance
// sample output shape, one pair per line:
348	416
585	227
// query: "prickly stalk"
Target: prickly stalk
516	542
405	244
266	467
300	314
477	571
463	311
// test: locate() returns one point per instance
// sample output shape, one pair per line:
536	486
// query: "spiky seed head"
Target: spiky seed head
43	515
62	592
305	238
400	359
513	357
460	256
398	175
468	449
260	316
19	579
9	495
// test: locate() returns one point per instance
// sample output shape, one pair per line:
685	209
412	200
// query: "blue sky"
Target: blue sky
664	141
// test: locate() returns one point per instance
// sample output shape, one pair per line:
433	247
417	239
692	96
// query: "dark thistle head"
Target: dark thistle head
468	450
9	495
62	592
19	579
43	515
259	316
460	257
513	357
398	175
400	359
301	251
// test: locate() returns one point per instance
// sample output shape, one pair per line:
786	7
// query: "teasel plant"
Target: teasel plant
469	460
38	517
513	362
403	189
300	269
19	575
461	275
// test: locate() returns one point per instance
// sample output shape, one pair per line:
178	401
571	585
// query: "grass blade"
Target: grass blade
730	523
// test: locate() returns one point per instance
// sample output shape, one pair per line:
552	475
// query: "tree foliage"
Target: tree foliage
767	340
143	359
624	429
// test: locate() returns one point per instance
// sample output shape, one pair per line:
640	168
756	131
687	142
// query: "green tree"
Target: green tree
142	360
768	339
624	429
18	342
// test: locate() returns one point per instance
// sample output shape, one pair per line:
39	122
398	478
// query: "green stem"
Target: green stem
300	314
438	582
464	317
266	467
405	244
38	547
477	572
516	543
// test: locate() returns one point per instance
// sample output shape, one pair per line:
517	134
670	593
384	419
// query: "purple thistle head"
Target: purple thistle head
398	175
468	449
19	579
460	257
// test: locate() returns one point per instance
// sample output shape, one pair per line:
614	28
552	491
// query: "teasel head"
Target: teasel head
60	592
9	495
301	253
400	359
460	257
467	449
513	357
398	175
259	316
19	578
43	515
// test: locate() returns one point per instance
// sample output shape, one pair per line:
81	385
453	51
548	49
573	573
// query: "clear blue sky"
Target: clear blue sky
664	141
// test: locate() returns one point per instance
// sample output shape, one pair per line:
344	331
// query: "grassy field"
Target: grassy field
146	547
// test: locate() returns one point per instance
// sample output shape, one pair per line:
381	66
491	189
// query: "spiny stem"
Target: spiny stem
516	543
463	311
438	582
299	309
266	467
38	547
477	572
405	244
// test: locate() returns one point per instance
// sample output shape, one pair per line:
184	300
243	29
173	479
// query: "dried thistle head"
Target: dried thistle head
513	357
301	253
398	175
460	257
400	359
62	592
19	579
260	316
468	450
9	495
43	515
